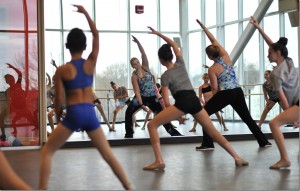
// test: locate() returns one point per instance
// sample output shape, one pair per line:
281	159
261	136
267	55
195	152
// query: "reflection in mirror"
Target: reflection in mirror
19	74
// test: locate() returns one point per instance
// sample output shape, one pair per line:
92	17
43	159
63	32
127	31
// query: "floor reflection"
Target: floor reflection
234	128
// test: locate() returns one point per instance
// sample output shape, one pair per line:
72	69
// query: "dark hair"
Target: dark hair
158	85
269	71
280	45
112	83
165	52
213	51
76	40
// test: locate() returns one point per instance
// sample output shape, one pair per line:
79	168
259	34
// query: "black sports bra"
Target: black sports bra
207	89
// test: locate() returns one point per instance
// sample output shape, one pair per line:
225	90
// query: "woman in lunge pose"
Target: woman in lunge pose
73	84
226	91
285	81
176	79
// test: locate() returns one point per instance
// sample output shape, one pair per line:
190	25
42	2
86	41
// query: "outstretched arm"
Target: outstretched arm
95	49
49	79
168	40
212	39
54	63
17	70
145	62
261	31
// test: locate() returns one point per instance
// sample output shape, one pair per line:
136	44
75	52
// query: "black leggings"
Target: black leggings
154	106
235	98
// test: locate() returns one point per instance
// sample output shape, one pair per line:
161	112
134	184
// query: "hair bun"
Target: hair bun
283	41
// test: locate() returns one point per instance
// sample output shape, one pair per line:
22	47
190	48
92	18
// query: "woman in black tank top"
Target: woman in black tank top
206	93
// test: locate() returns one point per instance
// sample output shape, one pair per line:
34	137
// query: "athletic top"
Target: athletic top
146	85
207	89
285	77
177	78
121	91
81	80
269	89
227	79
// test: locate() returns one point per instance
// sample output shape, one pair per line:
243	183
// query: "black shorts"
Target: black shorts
187	101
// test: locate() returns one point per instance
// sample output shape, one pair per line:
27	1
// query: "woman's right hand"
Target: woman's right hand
253	21
80	9
134	39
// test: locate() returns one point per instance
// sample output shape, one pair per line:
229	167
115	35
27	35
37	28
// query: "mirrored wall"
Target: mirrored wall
19	73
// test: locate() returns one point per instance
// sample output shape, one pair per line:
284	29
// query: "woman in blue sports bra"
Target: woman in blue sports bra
204	95
226	91
73	84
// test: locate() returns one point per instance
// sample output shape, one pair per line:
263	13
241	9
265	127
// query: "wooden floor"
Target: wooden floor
186	169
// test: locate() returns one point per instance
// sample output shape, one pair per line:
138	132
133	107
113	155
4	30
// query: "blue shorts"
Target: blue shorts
81	116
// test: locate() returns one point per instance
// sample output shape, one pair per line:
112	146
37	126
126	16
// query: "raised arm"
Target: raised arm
145	62
49	79
261	31
95	49
168	40
54	63
18	72
212	39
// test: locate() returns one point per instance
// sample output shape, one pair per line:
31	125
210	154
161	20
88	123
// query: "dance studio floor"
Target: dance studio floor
186	169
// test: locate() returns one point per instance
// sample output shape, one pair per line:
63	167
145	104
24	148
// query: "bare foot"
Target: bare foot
281	164
154	166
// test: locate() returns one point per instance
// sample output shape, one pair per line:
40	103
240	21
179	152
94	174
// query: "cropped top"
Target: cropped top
207	89
269	89
227	79
81	80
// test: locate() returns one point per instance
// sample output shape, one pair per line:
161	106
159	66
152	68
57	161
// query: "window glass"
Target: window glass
231	37
53	50
194	12
52	14
271	28
139	22
71	18
210	13
293	41
169	15
273	7
195	59
32	14
249	7
230	10
111	14
8	18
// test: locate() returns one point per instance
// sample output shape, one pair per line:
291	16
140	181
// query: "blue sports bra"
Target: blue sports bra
81	80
